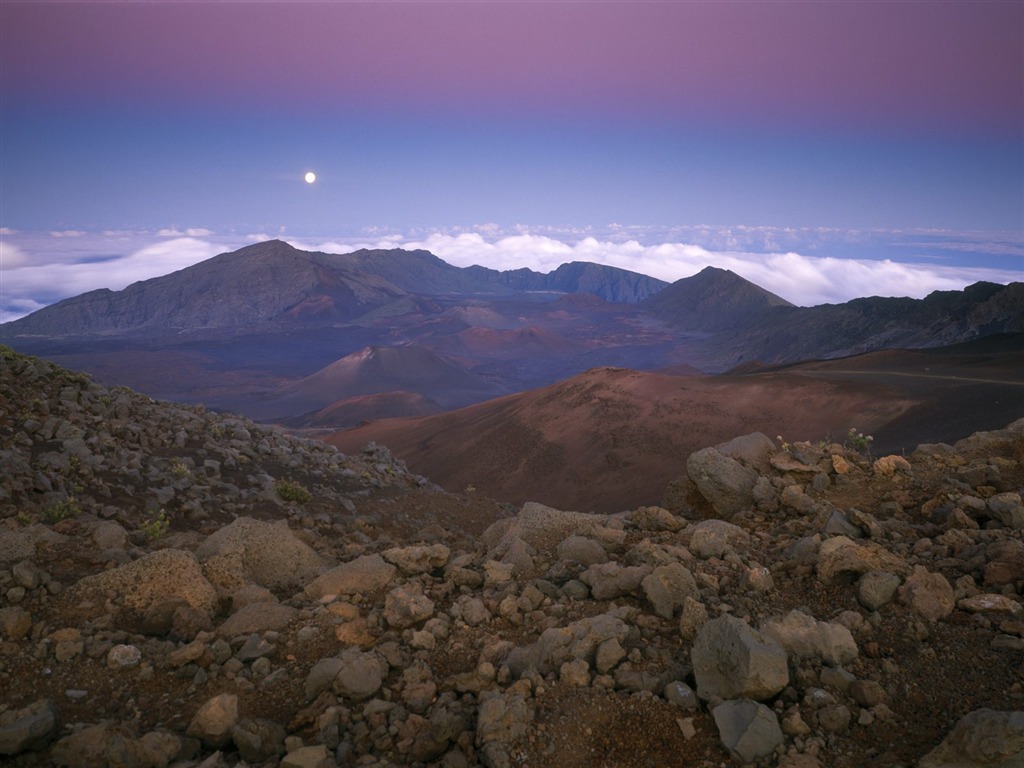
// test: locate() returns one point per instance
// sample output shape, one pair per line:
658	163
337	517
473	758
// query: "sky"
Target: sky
825	150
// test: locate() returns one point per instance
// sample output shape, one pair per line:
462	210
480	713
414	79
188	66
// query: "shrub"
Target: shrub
62	510
156	525
289	491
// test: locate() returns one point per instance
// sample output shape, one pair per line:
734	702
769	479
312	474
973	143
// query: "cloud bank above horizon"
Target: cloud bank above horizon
38	269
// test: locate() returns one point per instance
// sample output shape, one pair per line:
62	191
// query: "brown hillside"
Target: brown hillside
610	438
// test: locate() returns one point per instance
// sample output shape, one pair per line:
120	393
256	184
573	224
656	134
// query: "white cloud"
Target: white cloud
48	283
39	269
189	232
11	256
8	231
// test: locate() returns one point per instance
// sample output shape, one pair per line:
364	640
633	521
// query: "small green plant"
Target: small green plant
179	469
470	489
156	525
782	442
62	510
858	440
290	491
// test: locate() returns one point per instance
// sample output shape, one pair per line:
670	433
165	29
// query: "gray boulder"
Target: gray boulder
711	538
251	550
984	738
749	730
731	660
928	594
667	588
213	723
806	637
406	606
610	580
725	484
29	728
421	558
579	640
365	574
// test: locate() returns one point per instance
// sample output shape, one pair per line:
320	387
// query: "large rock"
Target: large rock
501	720
749	730
406	606
29	728
213	723
711	538
725	484
984	738
251	550
539	527
842	561
667	588
732	661
421	558
369	573
754	450
610	580
360	674
579	640
928	594
806	637
164	575
258	617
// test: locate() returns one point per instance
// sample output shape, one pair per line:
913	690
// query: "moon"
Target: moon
310	177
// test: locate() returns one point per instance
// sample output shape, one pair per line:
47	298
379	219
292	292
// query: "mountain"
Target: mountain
712	300
262	284
789	334
243	331
351	411
608	283
273	283
378	370
602	438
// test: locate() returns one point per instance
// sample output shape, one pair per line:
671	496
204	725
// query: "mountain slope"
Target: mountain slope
269	282
608	436
609	283
379	369
712	300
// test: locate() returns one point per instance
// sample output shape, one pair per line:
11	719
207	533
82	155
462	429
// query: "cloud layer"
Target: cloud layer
41	268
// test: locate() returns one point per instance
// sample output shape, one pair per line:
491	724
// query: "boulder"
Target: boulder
749	730
213	723
365	574
841	560
711	538
267	554
579	640
154	578
259	618
610	580
876	588
501	720
27	729
928	594
407	606
806	637
421	558
723	482
731	660
360	674
984	738
667	588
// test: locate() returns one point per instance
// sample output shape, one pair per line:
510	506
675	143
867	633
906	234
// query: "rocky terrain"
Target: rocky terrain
185	588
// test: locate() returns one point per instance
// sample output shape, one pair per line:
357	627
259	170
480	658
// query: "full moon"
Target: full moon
310	177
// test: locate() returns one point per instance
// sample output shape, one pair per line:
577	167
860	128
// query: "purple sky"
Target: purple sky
571	118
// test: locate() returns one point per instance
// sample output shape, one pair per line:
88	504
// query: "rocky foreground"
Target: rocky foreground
184	588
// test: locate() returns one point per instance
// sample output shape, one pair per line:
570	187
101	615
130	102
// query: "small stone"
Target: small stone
30	728
123	657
